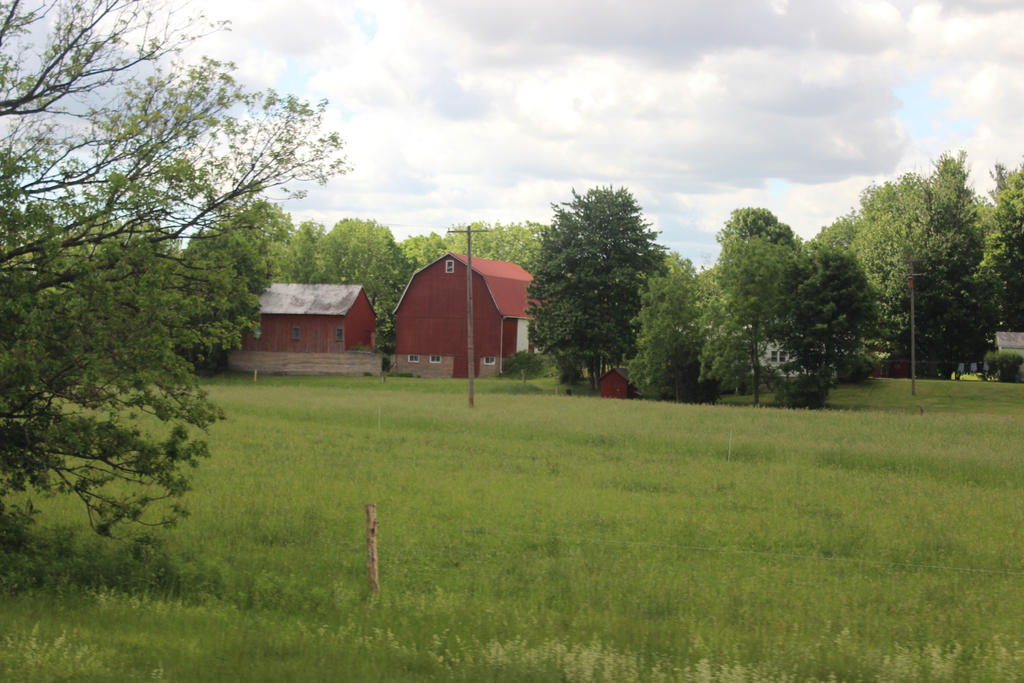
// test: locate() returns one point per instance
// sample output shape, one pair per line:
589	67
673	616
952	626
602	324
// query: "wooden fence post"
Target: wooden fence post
371	547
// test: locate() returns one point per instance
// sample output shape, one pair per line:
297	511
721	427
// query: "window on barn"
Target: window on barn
435	359
414	358
295	332
339	334
488	360
449	266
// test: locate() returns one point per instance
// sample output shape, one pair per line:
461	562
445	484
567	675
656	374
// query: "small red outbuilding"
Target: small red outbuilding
615	384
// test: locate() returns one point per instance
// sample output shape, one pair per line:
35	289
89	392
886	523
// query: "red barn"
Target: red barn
615	384
430	318
307	329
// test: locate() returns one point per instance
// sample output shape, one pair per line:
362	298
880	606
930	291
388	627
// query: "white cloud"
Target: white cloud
456	110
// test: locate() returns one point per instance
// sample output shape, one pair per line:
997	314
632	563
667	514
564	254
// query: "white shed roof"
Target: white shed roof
1010	340
309	299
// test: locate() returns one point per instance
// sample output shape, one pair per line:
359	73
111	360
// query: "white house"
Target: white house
1011	341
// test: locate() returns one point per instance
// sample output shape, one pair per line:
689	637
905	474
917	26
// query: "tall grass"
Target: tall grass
541	536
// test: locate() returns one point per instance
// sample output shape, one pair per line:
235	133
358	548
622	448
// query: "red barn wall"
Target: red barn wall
317	333
431	319
614	385
361	324
509	329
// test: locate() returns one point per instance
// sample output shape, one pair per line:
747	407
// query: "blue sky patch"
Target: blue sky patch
925	116
367	23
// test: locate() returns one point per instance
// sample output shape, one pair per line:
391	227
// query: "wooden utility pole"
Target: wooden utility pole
371	547
469	303
913	332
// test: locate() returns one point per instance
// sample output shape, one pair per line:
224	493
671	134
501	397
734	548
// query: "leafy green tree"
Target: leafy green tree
841	233
420	250
515	242
1004	253
238	264
749	297
594	259
112	158
932	222
749	223
300	256
355	251
1000	175
364	252
828	310
670	337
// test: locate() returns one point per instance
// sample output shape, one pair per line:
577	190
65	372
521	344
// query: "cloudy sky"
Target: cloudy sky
462	110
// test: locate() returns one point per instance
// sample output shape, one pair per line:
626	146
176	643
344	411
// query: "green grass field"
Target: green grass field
547	537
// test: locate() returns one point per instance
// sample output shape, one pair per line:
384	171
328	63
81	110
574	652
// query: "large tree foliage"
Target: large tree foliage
300	255
748	280
828	309
515	242
420	250
931	224
594	259
364	252
1004	253
237	263
111	160
355	252
670	337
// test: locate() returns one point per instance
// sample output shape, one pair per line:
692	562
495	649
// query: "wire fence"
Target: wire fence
735	551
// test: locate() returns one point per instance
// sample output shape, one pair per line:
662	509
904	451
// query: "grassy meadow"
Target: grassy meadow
541	536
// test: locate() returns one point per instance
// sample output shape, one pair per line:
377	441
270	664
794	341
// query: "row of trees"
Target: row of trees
964	251
608	295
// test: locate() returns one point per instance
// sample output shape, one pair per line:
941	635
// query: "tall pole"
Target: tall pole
469	305
913	344
913	332
470	360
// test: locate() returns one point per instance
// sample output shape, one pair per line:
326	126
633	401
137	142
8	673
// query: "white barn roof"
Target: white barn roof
309	299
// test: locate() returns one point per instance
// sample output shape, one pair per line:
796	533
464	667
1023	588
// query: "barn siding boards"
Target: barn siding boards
361	324
430	318
350	363
299	332
316	334
297	318
615	384
509	334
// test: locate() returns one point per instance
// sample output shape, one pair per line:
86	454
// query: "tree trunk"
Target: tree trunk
757	376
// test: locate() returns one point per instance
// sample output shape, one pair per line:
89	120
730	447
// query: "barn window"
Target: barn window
414	358
339	334
435	359
449	266
295	332
488	360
